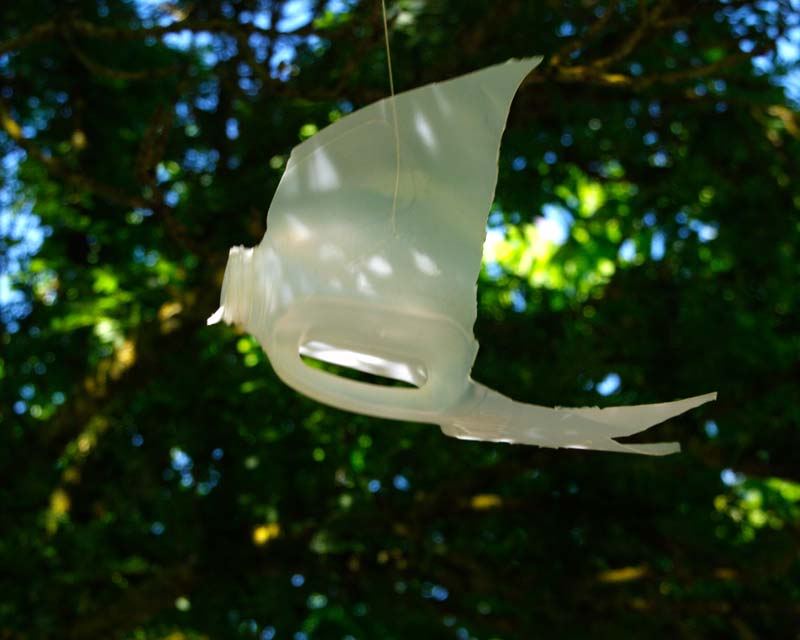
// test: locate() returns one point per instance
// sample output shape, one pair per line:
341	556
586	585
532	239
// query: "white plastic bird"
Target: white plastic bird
371	261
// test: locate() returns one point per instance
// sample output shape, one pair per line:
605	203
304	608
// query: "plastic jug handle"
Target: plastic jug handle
350	395
426	351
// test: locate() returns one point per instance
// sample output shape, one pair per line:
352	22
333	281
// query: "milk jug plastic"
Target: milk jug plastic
371	259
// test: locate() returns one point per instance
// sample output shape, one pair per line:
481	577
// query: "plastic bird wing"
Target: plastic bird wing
337	195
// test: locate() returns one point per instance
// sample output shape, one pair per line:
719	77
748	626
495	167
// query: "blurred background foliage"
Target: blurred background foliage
158	481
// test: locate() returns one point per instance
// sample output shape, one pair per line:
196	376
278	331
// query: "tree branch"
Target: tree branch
636	36
93	30
36	34
115	74
221	25
576	44
57	168
593	75
138	604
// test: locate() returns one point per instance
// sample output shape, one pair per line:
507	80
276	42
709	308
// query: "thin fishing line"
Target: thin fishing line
394	118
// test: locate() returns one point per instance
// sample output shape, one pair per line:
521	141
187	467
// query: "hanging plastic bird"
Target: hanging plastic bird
371	261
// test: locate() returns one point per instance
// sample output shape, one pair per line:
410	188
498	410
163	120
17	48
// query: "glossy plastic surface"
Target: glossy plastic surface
367	268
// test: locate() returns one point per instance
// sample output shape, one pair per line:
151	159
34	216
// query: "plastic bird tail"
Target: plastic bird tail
488	415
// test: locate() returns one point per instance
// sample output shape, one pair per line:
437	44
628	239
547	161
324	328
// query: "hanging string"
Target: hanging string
394	118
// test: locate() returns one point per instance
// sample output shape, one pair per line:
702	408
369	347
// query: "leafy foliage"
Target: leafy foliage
158	481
